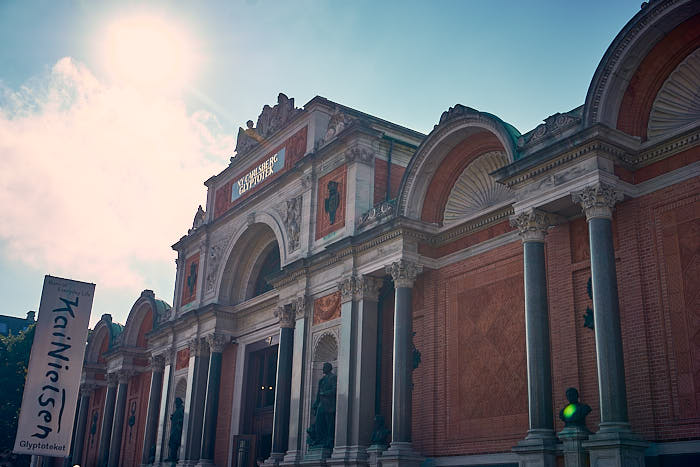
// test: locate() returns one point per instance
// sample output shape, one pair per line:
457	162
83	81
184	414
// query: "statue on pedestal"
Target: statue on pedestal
574	414
176	429
321	434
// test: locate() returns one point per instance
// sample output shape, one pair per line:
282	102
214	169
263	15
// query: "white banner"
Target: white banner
55	366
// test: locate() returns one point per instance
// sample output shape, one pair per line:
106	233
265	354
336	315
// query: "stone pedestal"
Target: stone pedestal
615	449
400	454
374	453
316	456
574	453
536	452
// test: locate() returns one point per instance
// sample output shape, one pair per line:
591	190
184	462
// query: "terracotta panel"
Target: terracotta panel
323	221
327	308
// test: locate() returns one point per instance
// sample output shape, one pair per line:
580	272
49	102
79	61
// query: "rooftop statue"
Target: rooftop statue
269	121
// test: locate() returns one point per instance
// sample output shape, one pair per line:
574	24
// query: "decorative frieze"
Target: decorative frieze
338	122
215	254
404	272
378	212
597	200
301	306
532	225
552	126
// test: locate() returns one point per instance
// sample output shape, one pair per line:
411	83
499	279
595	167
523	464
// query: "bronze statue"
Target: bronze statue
574	414
176	428
380	433
322	432
332	203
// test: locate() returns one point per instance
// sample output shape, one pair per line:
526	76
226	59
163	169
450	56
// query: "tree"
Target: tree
14	359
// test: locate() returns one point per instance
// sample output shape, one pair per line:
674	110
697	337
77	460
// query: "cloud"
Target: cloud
97	179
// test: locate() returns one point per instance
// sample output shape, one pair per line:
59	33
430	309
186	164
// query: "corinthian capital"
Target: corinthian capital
157	363
532	225
286	316
404	272
597	200
217	342
198	346
348	288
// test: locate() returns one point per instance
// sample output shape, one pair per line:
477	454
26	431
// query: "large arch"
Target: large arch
145	314
462	135
102	338
624	79
246	256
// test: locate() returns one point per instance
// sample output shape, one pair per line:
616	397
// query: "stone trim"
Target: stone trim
597	200
360	288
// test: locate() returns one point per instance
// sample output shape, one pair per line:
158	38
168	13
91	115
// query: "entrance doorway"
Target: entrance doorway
260	400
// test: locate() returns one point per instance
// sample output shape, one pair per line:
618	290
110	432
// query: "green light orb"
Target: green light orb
569	411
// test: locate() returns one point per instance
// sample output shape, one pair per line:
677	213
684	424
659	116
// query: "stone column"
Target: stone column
216	342
400	451
149	438
161	450
296	406
193	422
107	418
115	444
539	446
81	423
283	388
345	371
614	440
365	364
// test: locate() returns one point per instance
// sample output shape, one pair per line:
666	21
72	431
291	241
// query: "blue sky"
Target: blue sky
98	177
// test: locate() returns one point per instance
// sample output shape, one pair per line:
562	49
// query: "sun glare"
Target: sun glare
147	51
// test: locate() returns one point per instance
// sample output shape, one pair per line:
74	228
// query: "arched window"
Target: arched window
270	265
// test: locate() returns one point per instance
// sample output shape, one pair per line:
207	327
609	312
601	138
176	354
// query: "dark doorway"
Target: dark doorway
260	399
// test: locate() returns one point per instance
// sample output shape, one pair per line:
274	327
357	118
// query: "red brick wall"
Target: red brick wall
223	420
136	406
380	173
639	96
146	326
657	240
323	223
470	393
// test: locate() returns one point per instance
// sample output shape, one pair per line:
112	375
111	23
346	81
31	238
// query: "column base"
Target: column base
374	453
348	456
537	449
616	449
317	454
574	453
292	458
206	463
400	454
274	460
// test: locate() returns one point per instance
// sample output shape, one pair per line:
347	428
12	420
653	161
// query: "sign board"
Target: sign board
55	366
258	174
